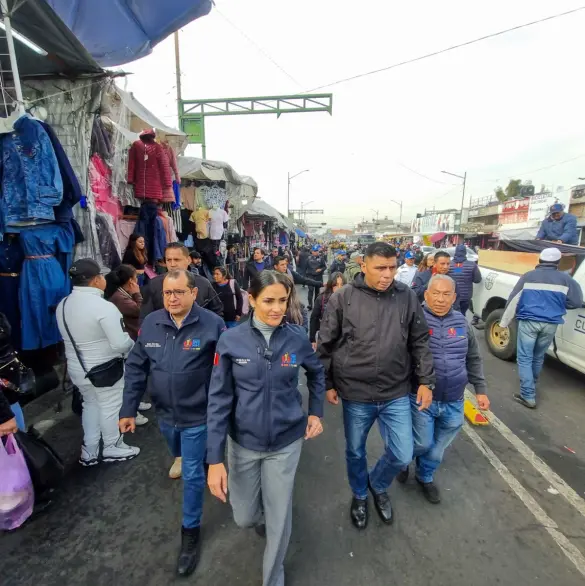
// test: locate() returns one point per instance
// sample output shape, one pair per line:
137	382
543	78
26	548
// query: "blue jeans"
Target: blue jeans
434	429
534	338
19	415
191	444
395	423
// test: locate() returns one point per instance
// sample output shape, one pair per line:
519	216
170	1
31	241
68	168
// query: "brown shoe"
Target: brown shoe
176	469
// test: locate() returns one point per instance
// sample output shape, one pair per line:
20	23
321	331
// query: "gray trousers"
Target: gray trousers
260	488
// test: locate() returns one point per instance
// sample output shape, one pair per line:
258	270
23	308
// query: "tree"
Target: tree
512	190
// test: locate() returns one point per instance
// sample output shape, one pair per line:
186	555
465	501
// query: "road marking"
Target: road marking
548	474
547	523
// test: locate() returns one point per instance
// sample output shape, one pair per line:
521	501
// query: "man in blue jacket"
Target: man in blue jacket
539	301
175	349
559	227
457	361
464	272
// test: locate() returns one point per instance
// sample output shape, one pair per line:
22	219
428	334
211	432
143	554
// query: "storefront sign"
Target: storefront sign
484	211
431	223
541	202
516	205
578	194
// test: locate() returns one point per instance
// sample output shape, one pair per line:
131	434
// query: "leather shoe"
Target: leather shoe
260	530
402	476
430	491
188	554
383	505
359	513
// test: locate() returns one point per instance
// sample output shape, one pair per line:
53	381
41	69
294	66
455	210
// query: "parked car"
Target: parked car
471	254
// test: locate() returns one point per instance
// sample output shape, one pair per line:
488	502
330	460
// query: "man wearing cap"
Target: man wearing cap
91	328
338	265
539	301
407	271
464	272
354	266
559	227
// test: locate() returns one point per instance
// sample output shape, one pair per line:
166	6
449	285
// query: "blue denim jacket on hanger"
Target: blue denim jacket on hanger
31	180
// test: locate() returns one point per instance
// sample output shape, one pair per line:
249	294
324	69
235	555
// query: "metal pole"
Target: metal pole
288	197
400	221
463	199
12	53
178	75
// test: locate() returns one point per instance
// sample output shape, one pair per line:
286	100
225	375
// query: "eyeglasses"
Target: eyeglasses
176	292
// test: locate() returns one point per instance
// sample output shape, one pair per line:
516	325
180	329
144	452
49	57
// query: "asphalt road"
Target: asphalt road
512	510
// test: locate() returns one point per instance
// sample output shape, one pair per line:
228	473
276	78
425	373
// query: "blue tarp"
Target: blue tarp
119	31
300	233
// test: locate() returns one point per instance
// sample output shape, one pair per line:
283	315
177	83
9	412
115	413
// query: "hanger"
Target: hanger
7	124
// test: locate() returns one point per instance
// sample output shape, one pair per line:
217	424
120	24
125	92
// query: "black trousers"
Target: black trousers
313	294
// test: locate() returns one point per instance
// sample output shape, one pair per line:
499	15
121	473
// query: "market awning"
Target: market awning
300	233
438	237
260	209
58	51
119	31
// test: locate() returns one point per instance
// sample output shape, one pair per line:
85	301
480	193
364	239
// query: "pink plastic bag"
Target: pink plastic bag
16	490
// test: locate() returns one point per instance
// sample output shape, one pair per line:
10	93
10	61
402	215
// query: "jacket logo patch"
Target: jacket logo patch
192	344
289	360
431	332
152	345
215	359
456	333
241	361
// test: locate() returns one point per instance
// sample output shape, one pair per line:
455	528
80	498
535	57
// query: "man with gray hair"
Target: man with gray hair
457	362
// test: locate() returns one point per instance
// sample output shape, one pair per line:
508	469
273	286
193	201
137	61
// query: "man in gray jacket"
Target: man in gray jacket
373	339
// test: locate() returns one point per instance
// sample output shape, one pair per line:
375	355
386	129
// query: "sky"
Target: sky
500	108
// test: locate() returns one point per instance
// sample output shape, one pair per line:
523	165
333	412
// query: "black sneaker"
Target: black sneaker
430	491
187	561
260	530
520	399
383	505
359	513
402	476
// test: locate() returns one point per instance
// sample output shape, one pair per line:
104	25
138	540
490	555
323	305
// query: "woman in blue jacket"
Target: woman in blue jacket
254	397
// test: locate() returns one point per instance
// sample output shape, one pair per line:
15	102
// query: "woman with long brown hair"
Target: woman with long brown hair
136	256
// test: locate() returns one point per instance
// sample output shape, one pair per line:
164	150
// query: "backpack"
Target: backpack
244	295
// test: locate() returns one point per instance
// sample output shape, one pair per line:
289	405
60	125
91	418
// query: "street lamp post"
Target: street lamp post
303	204
399	203
464	178
290	178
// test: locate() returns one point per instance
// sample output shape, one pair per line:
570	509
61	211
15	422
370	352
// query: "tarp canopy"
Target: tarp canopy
260	209
38	22
120	31
540	245
204	170
300	233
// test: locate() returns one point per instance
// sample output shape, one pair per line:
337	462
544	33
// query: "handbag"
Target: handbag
102	375
45	466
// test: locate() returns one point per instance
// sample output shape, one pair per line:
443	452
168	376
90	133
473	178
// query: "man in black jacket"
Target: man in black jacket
255	266
281	266
316	266
373	339
177	257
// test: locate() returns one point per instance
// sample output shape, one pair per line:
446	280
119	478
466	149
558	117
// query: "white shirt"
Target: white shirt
96	327
405	274
217	218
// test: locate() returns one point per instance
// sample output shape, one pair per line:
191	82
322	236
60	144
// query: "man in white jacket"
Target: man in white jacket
95	325
406	272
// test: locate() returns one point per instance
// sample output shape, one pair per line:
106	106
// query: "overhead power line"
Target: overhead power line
447	49
424	176
258	47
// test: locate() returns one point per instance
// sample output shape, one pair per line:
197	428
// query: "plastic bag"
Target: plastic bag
16	489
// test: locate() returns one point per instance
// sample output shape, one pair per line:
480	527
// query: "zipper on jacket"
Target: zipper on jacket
172	376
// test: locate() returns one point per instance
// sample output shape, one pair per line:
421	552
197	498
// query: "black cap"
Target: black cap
86	268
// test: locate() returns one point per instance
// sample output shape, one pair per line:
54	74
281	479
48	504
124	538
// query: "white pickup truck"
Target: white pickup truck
489	299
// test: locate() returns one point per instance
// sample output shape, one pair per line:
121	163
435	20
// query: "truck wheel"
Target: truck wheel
501	341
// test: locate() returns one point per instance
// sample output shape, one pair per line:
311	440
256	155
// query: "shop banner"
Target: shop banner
541	202
431	223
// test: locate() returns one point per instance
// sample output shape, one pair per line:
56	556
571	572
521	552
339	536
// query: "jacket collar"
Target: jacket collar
360	283
165	319
427	309
550	266
89	291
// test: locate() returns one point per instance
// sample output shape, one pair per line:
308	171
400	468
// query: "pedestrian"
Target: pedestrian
281	265
559	227
266	427
273	254
457	361
316	265
354	266
336	281
230	294
338	265
464	272
231	260
174	353
255	265
407	271
539	301
91	328
302	259
195	266
440	266
123	291
177	258
136	256
373	339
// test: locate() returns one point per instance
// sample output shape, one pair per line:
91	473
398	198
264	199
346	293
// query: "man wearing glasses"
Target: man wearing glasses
174	352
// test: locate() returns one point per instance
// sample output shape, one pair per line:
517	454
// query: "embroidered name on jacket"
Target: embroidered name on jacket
152	345
192	344
241	361
289	360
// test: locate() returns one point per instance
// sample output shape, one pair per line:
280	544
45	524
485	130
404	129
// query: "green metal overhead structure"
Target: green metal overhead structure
192	113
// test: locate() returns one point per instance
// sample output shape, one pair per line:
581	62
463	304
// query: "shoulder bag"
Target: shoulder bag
102	375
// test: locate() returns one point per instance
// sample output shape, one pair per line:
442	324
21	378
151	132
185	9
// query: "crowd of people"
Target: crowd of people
387	340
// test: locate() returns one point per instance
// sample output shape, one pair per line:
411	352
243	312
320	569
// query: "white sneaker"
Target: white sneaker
144	406
176	469
120	452
88	458
140	419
